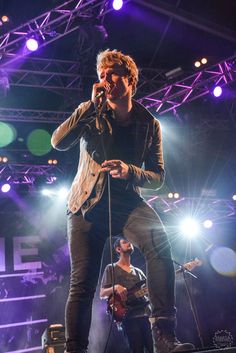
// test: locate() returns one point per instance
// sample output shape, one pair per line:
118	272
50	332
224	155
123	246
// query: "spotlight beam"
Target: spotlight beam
24	323
22	298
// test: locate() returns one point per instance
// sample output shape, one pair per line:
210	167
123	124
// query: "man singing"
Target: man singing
120	151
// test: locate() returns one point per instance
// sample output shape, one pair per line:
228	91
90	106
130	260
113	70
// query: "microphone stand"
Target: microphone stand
184	271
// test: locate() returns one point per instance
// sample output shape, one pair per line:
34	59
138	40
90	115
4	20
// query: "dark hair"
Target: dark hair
116	244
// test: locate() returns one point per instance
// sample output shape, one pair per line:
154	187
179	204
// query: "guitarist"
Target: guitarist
135	322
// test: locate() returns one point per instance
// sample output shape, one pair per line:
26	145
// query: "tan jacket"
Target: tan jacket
146	170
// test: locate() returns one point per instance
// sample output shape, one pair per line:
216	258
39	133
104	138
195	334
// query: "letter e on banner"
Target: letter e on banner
23	247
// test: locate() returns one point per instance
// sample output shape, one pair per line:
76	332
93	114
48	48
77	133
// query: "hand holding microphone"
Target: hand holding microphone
101	92
98	94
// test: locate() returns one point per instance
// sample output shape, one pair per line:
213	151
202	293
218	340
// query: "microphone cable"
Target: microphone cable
109	231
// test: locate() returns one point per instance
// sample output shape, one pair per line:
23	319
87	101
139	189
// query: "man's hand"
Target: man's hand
116	168
98	94
122	291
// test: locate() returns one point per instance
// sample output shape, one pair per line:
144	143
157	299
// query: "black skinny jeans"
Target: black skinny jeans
139	335
142	227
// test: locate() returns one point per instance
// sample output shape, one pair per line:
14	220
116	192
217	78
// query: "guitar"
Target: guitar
190	265
117	307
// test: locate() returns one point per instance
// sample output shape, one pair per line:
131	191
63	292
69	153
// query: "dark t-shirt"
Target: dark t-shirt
122	148
136	306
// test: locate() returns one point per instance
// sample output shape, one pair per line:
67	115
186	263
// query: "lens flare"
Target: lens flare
223	260
208	223
7	134
39	142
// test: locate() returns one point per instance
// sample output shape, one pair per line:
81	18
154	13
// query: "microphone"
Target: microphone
99	94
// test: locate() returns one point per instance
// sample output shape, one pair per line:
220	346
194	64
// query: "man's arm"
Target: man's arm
118	289
153	174
106	285
70	131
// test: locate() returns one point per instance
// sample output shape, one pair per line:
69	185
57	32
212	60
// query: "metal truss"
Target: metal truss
51	74
218	122
190	88
217	208
19	173
149	80
49	27
65	75
168	98
27	115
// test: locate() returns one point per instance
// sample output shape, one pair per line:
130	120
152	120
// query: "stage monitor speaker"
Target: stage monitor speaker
53	339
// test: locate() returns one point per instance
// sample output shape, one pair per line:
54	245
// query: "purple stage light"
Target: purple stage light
117	4
32	44
24	323
6	187
217	91
39	296
26	350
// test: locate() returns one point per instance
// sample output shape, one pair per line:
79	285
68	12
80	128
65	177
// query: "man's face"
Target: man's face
125	247
116	81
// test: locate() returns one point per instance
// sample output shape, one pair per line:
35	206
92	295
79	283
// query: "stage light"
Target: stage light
3	159
117	4
176	195
32	44
52	161
62	193
170	195
234	197
51	179
5	19
189	227
197	64
208	223
6	187
46	192
204	61
217	91
173	73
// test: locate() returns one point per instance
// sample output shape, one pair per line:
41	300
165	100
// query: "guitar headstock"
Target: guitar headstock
192	264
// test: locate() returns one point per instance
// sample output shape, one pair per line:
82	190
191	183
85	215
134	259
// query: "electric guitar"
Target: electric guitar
117	307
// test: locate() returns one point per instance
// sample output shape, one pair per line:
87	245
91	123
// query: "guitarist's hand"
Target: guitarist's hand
122	291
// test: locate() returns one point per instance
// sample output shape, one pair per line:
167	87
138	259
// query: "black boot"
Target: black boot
164	339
